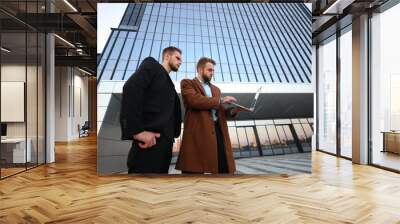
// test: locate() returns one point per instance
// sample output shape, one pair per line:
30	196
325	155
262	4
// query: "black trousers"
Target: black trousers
156	159
222	162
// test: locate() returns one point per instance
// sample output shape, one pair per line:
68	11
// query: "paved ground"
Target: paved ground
288	164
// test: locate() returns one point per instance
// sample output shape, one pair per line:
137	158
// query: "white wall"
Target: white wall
71	102
81	102
61	103
15	72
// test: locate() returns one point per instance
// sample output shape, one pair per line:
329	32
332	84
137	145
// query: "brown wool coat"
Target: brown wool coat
198	152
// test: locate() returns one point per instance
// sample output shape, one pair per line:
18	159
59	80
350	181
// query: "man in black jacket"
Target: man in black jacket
151	113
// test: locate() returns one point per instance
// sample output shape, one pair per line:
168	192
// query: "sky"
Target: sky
109	16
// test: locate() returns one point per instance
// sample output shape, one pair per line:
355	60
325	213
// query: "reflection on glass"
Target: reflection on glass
14	153
22	80
346	94
244	144
264	140
300	132
308	130
261	122
295	121
290	139
244	123
252	141
284	141
233	138
282	121
303	120
274	139
385	88
327	96
303	135
230	123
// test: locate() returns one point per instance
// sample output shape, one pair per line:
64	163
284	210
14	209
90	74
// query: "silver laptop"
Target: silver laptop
253	104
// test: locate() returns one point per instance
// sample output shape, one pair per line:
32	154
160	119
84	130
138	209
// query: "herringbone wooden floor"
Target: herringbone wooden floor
70	191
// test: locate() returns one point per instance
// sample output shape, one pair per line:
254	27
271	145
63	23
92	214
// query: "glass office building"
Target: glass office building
250	42
253	44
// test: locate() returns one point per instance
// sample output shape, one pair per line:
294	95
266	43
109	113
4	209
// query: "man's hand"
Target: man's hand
228	99
147	138
236	110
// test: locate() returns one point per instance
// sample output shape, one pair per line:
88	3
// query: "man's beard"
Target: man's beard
205	78
173	67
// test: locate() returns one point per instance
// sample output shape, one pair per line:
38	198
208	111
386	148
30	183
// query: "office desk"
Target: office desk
391	141
13	150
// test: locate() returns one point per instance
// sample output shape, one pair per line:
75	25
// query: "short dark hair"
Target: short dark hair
170	50
203	61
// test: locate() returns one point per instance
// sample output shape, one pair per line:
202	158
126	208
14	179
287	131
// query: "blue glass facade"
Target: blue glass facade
251	42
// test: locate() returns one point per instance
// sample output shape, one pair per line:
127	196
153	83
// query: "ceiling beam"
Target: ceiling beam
81	61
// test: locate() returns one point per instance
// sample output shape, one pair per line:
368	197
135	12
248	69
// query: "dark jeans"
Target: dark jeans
156	159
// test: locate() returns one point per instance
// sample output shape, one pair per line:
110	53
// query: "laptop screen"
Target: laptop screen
256	98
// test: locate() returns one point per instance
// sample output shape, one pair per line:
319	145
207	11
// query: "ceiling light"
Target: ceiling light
86	72
5	50
70	5
79	51
333	6
337	7
65	41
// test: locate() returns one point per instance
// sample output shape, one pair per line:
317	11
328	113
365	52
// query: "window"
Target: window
109	45
327	96
159	27
346	94
127	49
149	36
190	55
385	88
156	49
222	53
198	51
157	36
146	49
175	28
191	67
167	27
182	28
117	48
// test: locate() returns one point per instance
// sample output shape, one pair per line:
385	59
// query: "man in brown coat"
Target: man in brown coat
206	146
